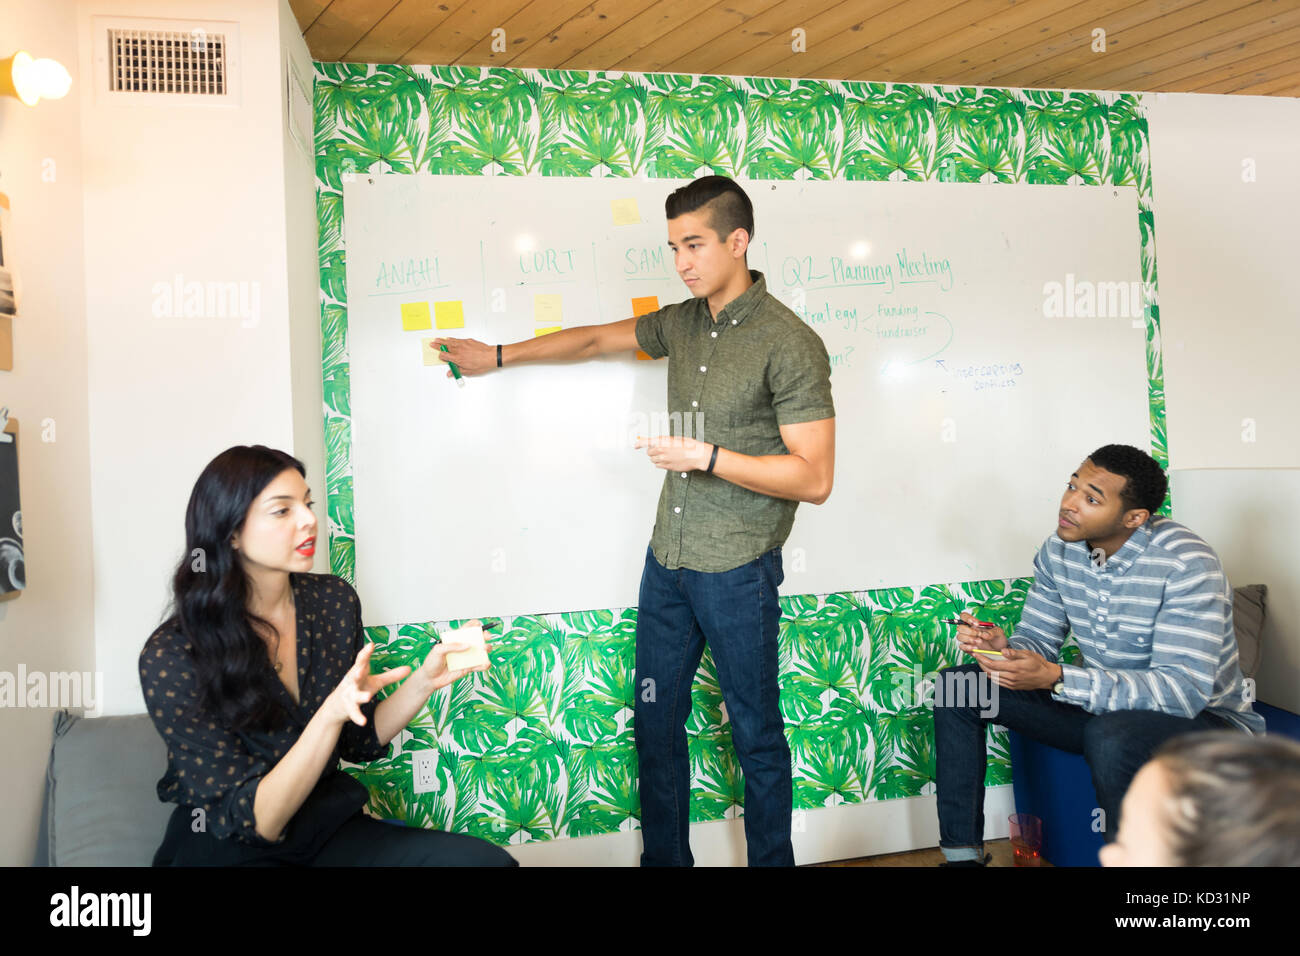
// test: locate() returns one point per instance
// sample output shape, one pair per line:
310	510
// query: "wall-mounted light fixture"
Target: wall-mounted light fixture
32	80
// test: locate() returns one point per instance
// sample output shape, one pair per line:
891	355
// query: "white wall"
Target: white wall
204	193
48	627
1227	251
303	287
139	403
1247	515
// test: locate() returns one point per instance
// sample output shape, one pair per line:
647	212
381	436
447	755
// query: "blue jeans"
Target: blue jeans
737	612
1115	744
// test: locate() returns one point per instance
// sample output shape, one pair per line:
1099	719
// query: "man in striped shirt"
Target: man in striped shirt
1151	610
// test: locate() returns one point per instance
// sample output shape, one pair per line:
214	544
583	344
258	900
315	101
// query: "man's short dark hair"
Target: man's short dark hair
728	207
1145	483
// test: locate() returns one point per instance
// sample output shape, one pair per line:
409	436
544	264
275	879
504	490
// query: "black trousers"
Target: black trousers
365	841
329	829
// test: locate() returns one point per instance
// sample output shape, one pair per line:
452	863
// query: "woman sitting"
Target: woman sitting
259	681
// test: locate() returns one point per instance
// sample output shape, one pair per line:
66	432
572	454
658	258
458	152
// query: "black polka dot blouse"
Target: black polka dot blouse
217	769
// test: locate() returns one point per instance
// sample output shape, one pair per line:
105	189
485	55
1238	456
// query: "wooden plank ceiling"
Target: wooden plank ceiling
1189	46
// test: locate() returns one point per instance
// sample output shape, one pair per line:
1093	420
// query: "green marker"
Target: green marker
460	381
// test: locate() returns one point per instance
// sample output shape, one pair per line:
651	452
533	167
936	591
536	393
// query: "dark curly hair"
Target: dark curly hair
1145	483
729	208
210	604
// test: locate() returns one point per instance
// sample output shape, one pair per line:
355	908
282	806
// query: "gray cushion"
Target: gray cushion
1248	621
102	803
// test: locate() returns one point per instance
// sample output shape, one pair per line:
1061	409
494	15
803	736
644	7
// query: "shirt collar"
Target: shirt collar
1137	542
743	305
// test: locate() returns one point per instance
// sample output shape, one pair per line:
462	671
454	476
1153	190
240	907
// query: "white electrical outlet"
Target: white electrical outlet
424	770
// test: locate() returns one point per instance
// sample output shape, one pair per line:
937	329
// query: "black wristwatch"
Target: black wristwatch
1059	686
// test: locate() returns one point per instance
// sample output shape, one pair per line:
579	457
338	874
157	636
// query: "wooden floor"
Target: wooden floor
1001	850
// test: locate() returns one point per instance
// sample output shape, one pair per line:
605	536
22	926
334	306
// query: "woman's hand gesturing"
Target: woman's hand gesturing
357	687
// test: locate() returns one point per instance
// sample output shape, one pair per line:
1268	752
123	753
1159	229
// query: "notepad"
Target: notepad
476	656
430	352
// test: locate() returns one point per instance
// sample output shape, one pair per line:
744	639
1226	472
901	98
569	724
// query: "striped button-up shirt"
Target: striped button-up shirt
1154	623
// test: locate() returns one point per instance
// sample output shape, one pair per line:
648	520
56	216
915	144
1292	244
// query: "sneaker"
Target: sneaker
983	862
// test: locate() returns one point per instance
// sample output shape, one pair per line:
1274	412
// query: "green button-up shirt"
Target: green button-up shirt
732	381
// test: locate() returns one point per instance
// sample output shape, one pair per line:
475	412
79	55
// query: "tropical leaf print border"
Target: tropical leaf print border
540	747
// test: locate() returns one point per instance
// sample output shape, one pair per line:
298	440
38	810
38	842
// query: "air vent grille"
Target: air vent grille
158	61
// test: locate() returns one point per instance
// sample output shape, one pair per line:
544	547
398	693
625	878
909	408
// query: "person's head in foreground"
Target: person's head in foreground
1213	798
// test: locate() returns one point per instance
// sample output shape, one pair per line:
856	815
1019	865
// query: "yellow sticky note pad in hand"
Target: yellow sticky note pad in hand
430	352
546	309
546	331
625	212
476	656
415	316
449	315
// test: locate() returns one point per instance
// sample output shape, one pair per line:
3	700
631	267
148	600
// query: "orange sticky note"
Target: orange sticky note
645	303
449	315
547	331
430	352
640	306
546	309
625	212
415	316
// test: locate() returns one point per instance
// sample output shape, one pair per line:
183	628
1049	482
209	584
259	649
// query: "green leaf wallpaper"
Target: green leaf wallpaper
540	747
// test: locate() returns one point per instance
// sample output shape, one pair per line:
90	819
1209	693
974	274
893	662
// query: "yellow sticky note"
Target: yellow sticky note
625	212
469	634
430	352
645	303
415	316
546	309
548	331
449	315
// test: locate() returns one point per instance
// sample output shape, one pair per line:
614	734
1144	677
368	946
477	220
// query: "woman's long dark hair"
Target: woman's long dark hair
210	590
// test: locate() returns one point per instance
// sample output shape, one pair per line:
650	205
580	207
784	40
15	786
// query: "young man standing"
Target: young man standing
756	379
1151	610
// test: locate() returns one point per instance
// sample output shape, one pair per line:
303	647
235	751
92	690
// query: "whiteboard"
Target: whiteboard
962	405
